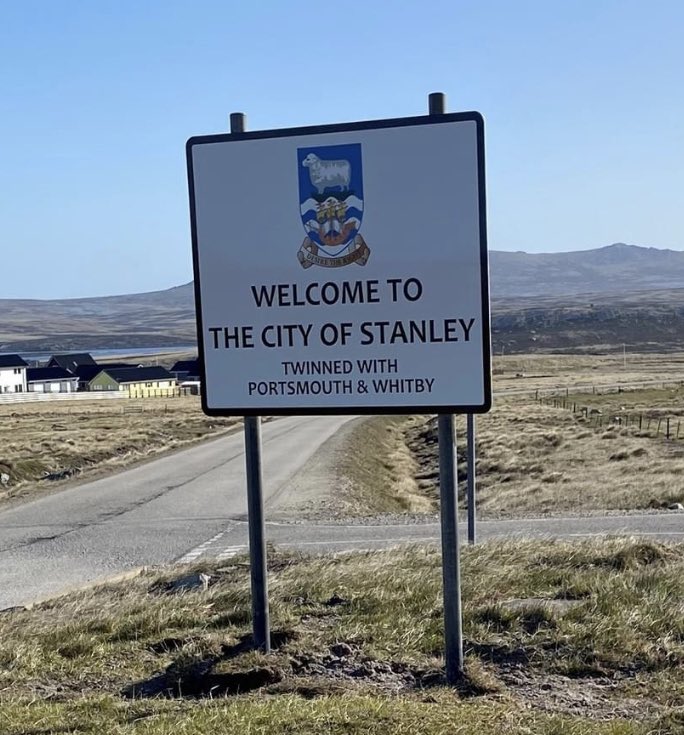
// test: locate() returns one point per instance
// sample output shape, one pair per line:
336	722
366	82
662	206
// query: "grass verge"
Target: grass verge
373	469
560	638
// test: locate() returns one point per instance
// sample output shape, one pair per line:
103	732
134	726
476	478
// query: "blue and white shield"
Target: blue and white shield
331	205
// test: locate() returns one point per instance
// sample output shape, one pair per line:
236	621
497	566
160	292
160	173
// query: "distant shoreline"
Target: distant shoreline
103	353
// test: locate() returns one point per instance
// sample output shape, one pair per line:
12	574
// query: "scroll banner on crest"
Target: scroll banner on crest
308	255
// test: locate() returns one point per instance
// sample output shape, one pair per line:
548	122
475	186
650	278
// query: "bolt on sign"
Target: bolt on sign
343	268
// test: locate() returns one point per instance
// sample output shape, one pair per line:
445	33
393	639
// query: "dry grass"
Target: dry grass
381	471
651	403
534	459
561	638
372	470
547	372
86	438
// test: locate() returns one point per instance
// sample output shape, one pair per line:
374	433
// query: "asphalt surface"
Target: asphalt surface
192	503
150	514
322	537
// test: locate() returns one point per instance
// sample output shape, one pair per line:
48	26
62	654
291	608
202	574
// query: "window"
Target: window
17	371
18	389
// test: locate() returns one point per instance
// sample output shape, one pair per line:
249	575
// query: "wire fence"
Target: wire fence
653	422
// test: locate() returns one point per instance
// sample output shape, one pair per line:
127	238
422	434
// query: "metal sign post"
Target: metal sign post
255	505
448	495
451	563
470	418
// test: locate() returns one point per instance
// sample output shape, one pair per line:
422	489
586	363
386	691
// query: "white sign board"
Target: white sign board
342	269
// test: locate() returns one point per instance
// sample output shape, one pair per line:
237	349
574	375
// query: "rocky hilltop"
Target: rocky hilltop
617	268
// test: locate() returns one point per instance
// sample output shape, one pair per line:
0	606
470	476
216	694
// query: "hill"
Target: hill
153	319
617	268
583	300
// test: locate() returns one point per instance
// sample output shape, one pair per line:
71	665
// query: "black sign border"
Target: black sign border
475	117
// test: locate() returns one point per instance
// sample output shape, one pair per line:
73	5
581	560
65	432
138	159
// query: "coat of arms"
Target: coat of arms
331	206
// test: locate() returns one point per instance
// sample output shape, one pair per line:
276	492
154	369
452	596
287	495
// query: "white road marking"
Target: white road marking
195	553
229	552
629	532
404	540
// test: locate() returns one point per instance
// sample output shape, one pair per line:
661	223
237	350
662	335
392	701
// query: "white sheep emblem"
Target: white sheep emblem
327	174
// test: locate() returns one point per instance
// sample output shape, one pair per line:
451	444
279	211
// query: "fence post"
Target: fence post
667	428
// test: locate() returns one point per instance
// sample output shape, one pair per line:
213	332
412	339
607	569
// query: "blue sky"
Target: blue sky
582	100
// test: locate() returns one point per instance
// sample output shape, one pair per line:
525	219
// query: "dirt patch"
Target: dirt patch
345	668
342	667
593	697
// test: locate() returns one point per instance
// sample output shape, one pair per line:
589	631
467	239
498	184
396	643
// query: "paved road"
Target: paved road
151	514
322	537
192	503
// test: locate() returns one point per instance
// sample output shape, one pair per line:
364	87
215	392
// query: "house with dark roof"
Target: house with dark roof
85	373
12	374
138	382
186	369
51	380
72	361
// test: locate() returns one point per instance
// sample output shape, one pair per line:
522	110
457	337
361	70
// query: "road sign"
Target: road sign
343	268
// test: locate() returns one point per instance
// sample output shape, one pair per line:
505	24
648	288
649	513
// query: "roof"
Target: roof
12	361
88	372
72	360
41	374
186	366
138	375
111	365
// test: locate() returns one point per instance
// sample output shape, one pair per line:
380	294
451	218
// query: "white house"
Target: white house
12	374
51	380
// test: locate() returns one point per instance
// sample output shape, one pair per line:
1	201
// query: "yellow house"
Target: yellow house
143	382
